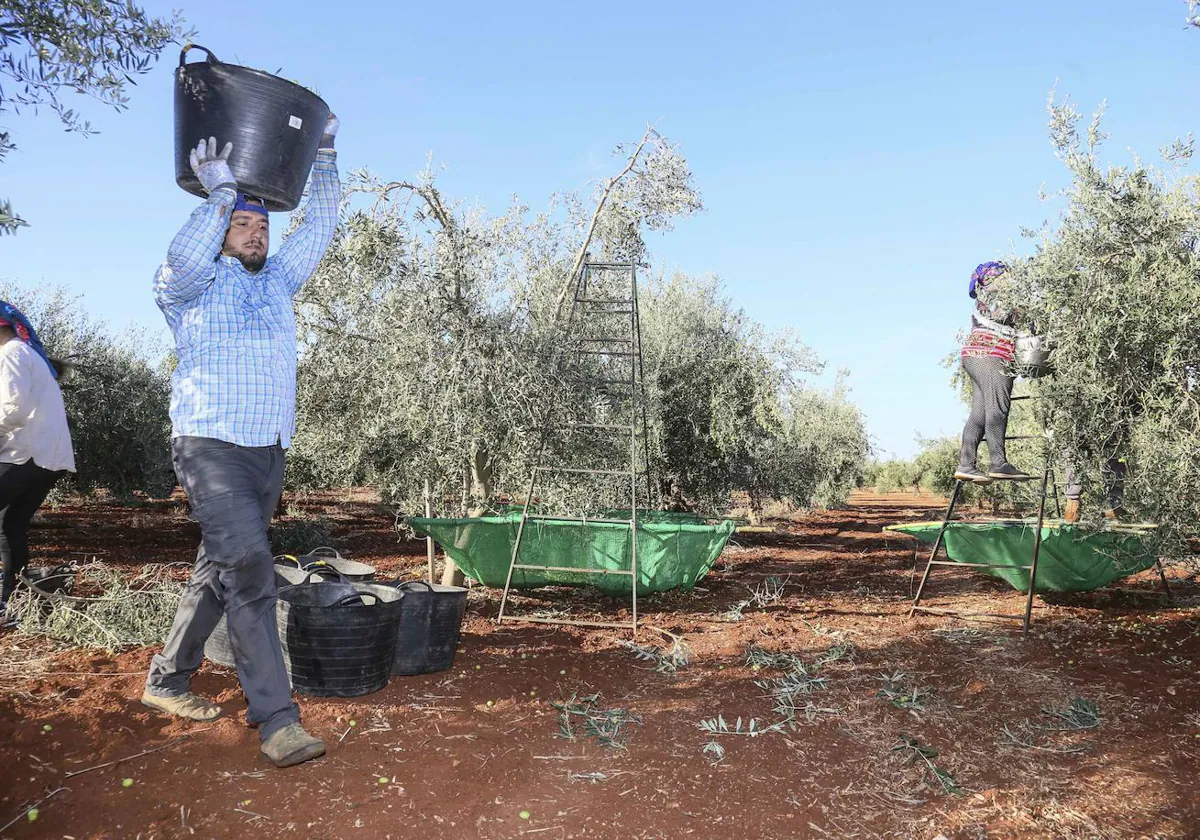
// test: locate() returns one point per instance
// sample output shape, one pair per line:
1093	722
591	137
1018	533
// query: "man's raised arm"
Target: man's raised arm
191	262
301	253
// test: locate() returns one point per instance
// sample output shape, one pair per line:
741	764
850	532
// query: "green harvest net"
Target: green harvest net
1072	558
674	550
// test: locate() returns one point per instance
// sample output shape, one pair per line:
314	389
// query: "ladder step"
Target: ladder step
598	340
597	426
573	569
628	625
960	614
613	301
980	565
585	519
589	472
604	353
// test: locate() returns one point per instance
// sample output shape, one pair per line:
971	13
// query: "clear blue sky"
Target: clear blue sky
856	160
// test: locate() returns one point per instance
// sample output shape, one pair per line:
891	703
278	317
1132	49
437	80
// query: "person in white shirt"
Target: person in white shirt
35	443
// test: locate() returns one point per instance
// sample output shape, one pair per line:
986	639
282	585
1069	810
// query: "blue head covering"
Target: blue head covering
984	273
10	316
250	203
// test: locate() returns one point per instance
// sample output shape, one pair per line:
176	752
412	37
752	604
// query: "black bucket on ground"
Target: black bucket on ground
339	639
218	649
430	625
275	127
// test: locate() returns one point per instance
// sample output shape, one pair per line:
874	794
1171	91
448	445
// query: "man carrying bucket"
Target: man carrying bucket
233	410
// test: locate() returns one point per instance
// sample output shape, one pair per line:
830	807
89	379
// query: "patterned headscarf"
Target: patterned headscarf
984	273
12	317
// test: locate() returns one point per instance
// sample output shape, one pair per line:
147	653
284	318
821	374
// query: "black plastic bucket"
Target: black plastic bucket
339	639
275	127
218	649
430	625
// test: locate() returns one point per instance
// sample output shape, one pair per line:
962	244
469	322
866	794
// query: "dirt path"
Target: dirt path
471	752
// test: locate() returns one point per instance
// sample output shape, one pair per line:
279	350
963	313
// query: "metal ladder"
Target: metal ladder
603	333
1049	489
1047	483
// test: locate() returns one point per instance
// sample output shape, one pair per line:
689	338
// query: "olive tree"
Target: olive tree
1114	285
431	357
442	323
731	409
116	393
93	48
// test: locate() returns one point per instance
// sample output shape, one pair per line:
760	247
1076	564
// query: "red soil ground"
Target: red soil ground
473	751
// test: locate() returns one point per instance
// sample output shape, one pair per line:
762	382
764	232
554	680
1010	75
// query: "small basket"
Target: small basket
1032	356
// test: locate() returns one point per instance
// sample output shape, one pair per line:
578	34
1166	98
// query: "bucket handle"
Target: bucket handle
290	558
321	564
346	600
324	570
337	555
426	584
212	59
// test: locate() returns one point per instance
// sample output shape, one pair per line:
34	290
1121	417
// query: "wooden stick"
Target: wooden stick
664	632
581	255
429	540
252	814
131	757
13	821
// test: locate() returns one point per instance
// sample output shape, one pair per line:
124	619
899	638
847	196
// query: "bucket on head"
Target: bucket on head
339	639
430	625
275	127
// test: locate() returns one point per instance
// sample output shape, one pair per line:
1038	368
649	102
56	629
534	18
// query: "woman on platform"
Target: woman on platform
987	358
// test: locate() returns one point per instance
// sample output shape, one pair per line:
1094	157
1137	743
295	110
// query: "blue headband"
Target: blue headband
253	205
15	318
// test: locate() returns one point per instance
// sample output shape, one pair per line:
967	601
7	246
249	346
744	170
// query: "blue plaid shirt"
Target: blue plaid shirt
235	332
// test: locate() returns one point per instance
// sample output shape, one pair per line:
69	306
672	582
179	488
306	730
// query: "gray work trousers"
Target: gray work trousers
233	491
991	399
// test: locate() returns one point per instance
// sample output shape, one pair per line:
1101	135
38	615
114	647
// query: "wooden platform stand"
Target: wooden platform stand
1049	486
1024	618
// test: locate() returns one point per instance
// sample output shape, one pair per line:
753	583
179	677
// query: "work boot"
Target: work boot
292	745
1071	511
1114	514
971	474
189	706
1007	472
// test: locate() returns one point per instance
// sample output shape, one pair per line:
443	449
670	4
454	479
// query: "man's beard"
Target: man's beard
252	263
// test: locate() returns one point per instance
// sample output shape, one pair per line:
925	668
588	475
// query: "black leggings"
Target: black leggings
991	399
23	488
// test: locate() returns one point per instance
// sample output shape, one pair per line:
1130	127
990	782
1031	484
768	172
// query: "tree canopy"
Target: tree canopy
93	48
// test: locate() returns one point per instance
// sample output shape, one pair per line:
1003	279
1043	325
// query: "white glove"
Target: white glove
211	168
332	124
